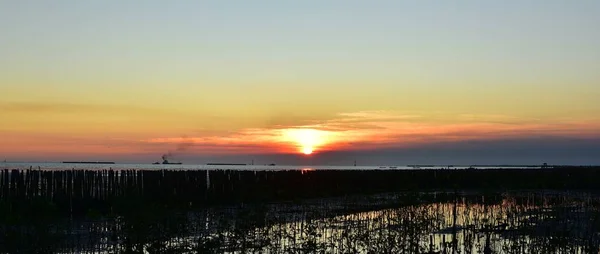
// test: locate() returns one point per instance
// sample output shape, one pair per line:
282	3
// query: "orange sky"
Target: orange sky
105	79
356	131
344	132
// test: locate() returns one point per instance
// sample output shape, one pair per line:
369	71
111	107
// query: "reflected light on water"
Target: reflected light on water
394	223
303	170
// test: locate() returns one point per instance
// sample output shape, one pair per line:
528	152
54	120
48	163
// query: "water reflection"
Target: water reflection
531	223
395	223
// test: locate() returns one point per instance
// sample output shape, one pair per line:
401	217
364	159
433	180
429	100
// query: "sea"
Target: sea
126	166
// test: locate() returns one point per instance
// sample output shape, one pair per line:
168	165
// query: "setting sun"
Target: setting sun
307	150
306	140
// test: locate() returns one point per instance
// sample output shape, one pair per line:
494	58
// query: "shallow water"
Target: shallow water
516	222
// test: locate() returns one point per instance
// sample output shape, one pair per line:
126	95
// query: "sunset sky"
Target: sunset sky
381	82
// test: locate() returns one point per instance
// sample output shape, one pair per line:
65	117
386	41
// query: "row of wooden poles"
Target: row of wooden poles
81	189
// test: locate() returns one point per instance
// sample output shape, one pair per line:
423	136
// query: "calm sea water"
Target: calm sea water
65	166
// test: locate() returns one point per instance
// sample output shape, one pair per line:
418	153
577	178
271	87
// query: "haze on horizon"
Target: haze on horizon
403	82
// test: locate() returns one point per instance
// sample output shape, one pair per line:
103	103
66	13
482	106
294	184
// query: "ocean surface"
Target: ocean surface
67	166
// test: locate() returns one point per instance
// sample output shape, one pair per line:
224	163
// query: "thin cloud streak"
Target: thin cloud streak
380	129
367	136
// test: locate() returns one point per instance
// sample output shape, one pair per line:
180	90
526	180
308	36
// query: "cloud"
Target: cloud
367	130
371	137
247	140
522	150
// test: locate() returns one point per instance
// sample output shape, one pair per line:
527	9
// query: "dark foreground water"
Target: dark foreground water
510	222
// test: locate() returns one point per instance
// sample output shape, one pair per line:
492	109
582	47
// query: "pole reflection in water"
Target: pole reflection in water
394	223
511	223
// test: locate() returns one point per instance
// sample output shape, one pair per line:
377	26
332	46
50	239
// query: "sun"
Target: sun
306	140
307	150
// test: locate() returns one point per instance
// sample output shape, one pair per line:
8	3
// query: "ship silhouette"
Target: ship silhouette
167	162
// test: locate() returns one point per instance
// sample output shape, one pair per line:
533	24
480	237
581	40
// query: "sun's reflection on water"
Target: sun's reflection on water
423	223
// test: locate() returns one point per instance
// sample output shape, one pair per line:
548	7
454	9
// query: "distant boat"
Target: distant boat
166	162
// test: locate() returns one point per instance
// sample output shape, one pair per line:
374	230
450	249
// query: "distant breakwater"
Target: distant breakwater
76	192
